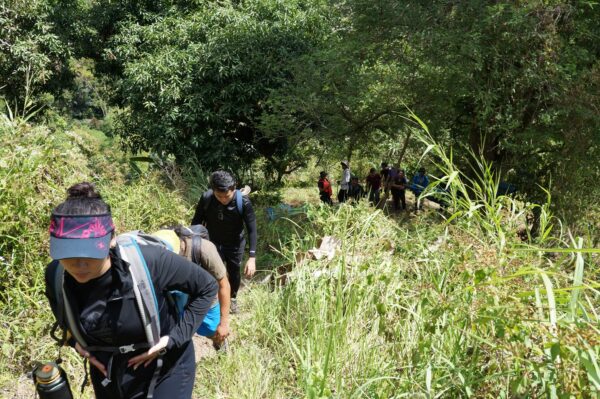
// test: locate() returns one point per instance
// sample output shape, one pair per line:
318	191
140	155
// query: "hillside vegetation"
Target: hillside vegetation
491	296
409	306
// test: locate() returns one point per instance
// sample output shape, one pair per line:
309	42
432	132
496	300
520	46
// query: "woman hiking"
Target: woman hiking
102	305
325	191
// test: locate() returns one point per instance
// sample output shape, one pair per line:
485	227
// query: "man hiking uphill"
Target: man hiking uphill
224	211
420	182
373	186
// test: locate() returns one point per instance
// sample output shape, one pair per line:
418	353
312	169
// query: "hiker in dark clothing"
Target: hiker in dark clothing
385	177
90	287
356	191
325	190
225	211
398	187
373	186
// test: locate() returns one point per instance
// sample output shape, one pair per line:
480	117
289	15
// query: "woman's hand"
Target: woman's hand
95	362
152	353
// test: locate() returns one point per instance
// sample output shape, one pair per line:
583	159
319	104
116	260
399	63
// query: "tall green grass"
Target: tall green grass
430	306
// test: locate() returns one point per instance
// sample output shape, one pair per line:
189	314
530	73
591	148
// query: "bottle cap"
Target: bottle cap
47	373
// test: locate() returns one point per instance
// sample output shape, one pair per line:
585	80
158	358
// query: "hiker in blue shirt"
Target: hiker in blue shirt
419	182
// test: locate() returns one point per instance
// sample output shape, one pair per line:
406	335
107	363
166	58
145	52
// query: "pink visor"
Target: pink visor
86	236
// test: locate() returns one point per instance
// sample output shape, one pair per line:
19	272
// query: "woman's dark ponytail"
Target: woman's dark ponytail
82	190
83	199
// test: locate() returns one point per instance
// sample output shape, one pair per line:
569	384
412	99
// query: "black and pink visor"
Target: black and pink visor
73	236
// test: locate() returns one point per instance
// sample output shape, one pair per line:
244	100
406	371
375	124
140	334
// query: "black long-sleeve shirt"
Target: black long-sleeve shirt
224	223
107	312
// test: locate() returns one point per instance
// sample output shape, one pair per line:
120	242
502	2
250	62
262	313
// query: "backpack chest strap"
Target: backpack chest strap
118	349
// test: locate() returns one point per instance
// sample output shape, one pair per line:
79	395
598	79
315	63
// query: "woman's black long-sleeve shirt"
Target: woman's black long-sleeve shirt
108	315
224	223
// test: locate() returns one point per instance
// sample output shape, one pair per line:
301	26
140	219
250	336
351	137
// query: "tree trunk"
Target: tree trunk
349	153
535	222
280	175
404	148
485	145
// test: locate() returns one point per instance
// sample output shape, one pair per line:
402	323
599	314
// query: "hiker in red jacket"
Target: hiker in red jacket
325	190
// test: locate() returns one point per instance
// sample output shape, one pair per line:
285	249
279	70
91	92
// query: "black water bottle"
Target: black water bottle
51	382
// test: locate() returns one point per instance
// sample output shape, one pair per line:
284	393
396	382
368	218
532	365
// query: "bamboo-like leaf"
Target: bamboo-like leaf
428	378
551	301
419	121
560	250
577	280
427	150
590	362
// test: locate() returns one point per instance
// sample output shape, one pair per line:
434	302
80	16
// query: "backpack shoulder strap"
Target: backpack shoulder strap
206	198
143	287
65	316
57	293
239	202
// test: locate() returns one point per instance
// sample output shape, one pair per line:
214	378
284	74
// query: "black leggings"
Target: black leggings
326	198
232	257
178	382
399	196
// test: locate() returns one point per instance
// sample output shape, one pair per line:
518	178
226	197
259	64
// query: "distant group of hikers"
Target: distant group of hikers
131	303
389	180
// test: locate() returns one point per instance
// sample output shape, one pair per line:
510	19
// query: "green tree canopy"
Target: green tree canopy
32	56
514	81
195	84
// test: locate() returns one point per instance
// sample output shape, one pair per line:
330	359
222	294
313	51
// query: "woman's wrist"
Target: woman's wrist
170	343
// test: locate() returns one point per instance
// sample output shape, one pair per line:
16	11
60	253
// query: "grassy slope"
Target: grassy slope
409	306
